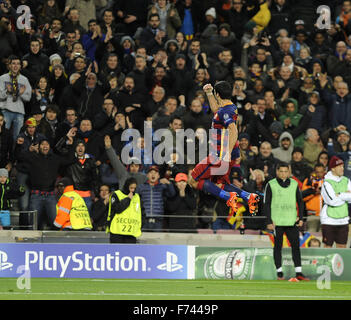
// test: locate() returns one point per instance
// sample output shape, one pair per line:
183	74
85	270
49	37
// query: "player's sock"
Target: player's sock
210	187
242	194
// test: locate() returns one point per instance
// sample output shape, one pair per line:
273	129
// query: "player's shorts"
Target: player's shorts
334	233
210	168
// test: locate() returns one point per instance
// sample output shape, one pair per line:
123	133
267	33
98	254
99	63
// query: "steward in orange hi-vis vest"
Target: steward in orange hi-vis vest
72	212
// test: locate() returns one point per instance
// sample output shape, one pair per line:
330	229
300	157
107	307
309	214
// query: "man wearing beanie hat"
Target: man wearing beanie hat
8	190
27	140
336	193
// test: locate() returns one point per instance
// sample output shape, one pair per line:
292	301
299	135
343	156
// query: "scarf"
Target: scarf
14	84
52	123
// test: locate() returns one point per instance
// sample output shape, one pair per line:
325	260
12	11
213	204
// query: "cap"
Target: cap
343	132
181	177
31	122
334	162
65	181
44	139
299	22
211	12
244	135
153	168
236	174
4	173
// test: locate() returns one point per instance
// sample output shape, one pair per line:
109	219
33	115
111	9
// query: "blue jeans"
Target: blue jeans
15	119
89	203
152	224
44	204
221	223
5	219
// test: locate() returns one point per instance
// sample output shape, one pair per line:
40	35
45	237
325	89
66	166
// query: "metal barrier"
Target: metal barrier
15	220
211	218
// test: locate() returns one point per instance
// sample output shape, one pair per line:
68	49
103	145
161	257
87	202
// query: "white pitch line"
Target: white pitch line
229	282
171	295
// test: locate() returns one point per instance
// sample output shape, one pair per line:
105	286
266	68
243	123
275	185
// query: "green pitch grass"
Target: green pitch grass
105	289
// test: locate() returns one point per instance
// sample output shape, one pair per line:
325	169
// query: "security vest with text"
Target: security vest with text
127	222
72	212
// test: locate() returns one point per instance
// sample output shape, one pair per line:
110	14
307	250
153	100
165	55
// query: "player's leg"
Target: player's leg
277	251
292	233
252	199
200	179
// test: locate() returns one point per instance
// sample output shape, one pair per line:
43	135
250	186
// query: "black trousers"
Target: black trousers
118	238
292	233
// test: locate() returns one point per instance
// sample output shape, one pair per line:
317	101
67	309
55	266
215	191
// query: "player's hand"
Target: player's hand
207	88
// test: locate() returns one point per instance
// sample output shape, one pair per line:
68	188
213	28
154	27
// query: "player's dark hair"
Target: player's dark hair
224	89
282	165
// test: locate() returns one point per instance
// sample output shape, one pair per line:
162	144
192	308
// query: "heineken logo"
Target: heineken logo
237	265
337	265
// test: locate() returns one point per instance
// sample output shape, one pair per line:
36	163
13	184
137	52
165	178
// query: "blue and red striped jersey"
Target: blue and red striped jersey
222	119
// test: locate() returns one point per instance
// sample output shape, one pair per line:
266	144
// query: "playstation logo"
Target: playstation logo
171	264
3	261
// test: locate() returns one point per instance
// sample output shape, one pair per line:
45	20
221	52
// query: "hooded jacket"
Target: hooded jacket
9	190
284	154
295	121
121	171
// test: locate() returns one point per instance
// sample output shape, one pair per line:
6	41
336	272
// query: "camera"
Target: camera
262	35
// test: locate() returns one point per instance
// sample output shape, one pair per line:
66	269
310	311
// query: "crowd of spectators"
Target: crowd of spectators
84	71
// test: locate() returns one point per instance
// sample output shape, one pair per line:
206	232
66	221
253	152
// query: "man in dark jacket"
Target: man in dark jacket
152	37
27	139
83	173
184	203
264	160
195	117
130	103
130	15
91	95
299	167
280	16
35	63
69	122
44	166
100	208
152	195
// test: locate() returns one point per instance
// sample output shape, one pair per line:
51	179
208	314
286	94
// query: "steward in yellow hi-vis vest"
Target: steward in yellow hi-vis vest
124	214
72	212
